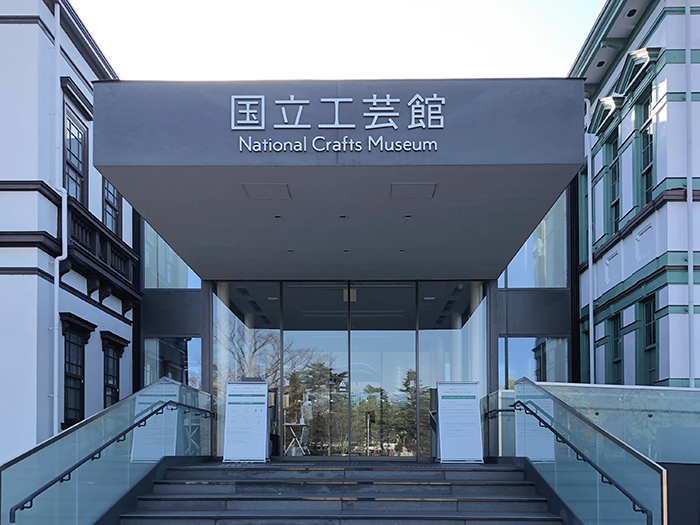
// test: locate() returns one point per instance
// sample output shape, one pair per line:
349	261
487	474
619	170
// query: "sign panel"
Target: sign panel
159	437
246	434
459	423
532	440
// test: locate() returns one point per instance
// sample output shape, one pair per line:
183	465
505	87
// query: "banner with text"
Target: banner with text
246	434
459	423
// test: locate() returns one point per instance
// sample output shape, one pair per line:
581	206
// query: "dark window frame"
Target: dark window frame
646	148
111	209
612	153
76	332
617	372
650	356
113	349
75	163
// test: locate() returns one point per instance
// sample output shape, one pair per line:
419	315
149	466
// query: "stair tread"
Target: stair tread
337	482
297	497
193	514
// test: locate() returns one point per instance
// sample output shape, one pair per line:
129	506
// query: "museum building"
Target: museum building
351	243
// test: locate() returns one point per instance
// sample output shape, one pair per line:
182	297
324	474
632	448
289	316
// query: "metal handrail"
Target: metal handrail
637	506
493	414
64	476
78	426
638	455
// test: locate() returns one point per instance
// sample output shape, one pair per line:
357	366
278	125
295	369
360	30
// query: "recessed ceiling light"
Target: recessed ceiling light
273	298
342	216
429	298
346	251
402	251
407	216
278	216
600	64
631	13
290	251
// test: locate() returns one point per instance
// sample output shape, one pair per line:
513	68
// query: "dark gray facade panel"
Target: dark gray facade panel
537	312
171	313
486	122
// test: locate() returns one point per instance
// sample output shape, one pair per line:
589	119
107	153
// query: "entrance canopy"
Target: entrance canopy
430	179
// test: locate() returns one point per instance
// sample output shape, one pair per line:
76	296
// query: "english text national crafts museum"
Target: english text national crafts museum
420	301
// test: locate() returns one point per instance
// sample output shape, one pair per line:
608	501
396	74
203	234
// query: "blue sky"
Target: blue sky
326	39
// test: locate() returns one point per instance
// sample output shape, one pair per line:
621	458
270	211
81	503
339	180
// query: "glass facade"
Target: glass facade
543	260
536	358
179	358
351	366
163	268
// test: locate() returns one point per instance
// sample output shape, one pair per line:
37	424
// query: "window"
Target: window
74	390
76	332
611	152
112	348
616	354
650	373
647	150
112	206
75	151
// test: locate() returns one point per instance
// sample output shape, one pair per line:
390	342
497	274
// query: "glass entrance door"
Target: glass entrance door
315	369
383	368
350	364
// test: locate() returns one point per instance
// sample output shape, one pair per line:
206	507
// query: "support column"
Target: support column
492	336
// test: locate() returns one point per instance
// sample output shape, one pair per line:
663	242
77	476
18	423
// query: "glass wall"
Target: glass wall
452	342
359	360
163	268
179	358
543	260
246	342
536	358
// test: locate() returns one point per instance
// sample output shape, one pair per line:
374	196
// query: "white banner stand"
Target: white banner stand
246	434
532	440
459	423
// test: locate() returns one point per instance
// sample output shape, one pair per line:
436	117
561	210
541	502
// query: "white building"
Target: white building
642	74
47	73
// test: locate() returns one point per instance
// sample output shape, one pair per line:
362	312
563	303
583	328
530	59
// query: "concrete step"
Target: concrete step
285	487
353	473
414	502
335	518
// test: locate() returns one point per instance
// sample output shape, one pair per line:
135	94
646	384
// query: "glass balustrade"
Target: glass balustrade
95	486
660	422
588	494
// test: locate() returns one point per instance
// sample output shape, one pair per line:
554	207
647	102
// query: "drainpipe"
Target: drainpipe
58	160
689	196
591	273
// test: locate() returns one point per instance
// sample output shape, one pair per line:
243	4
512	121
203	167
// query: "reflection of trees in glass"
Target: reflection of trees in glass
318	394
390	419
252	352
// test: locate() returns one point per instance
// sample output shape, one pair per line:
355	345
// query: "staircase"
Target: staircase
342	493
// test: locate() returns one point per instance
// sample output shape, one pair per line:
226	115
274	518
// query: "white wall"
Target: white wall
18	374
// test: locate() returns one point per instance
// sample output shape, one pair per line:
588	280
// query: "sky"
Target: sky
330	39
